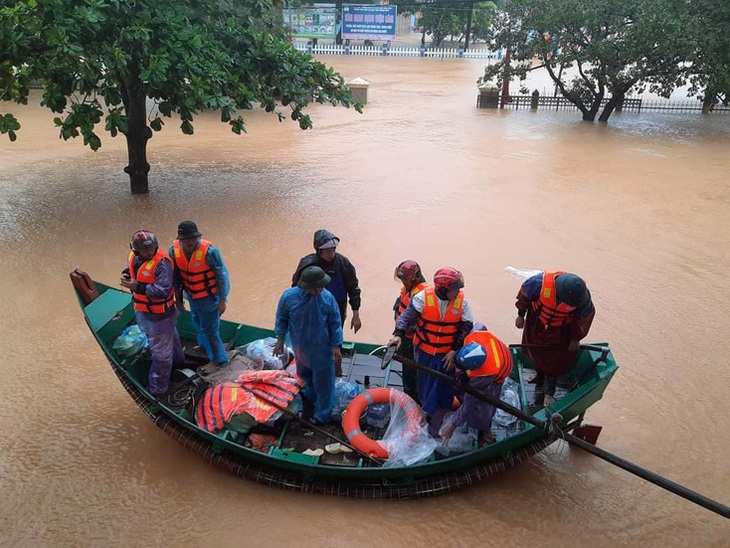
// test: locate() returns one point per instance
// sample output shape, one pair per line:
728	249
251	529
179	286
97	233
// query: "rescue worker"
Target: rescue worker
202	276
442	318
487	362
343	278
559	313
413	282
309	313
149	276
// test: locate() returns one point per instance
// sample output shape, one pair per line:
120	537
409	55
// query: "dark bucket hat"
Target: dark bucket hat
187	230
313	277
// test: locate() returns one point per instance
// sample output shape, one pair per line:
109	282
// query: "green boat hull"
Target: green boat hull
109	314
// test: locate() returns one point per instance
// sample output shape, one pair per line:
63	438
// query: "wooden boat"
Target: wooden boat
286	466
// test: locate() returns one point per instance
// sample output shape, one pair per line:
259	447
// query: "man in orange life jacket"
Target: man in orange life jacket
559	314
149	276
203	277
487	362
413	282
442	318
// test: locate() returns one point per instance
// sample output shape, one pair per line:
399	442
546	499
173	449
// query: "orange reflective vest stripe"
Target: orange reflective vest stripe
220	403
146	274
405	299
499	357
435	334
197	277
550	313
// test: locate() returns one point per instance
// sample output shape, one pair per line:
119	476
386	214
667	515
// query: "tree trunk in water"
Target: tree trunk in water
137	136
708	102
608	109
589	115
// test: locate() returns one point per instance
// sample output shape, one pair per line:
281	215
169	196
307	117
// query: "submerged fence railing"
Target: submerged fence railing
637	105
396	51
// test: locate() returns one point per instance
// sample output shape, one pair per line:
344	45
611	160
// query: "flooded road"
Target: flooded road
640	208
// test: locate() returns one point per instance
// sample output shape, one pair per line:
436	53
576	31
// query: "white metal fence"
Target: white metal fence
396	51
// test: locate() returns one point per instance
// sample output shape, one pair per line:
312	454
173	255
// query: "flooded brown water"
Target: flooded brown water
640	208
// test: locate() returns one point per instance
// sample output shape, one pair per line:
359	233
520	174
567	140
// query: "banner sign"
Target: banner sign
311	22
368	22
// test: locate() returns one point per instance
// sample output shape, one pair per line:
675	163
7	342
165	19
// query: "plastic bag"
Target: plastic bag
407	440
231	371
262	351
344	394
131	342
463	439
511	395
378	415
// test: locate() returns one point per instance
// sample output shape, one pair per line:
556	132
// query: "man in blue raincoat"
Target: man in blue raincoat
311	316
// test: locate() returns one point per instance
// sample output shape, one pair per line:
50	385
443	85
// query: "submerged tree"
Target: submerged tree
135	63
612	46
710	56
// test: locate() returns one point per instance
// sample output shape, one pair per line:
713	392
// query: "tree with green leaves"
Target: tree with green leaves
443	19
137	63
595	49
710	60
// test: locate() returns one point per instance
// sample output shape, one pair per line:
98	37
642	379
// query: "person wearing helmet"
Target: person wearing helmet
555	311
442	318
149	276
412	283
202	276
343	282
309	313
487	362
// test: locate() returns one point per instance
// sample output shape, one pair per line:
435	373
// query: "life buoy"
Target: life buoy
351	418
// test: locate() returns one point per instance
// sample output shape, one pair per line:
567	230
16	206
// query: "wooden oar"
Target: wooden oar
643	473
309	424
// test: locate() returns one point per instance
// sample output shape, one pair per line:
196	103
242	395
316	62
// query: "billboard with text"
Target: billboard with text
363	22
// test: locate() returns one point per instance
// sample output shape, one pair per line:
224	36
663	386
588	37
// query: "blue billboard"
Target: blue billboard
368	22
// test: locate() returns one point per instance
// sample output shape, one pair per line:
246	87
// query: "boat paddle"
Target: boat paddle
314	427
643	473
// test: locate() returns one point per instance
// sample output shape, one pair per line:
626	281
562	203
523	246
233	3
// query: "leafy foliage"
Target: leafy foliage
441	19
710	60
134	63
613	45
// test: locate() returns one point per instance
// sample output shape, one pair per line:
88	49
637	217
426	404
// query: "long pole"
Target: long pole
468	24
643	473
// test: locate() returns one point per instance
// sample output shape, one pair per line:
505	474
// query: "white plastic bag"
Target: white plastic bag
407	440
262	352
510	394
463	439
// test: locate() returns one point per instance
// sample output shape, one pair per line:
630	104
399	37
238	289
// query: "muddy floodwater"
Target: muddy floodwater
639	207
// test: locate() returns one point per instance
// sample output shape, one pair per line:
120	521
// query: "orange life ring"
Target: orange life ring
351	418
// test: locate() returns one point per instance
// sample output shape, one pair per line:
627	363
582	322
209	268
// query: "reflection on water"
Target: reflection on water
638	207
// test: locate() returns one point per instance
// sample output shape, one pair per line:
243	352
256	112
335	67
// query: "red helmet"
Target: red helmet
143	239
448	278
408	271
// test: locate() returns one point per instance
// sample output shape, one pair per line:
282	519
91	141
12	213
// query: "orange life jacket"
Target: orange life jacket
435	334
550	313
405	299
499	357
220	403
146	274
197	277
